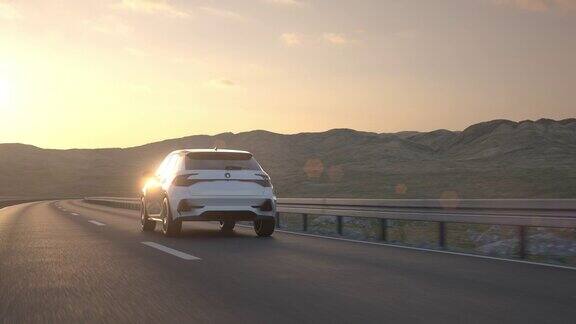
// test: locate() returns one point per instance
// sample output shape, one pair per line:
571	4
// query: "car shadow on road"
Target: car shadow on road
204	231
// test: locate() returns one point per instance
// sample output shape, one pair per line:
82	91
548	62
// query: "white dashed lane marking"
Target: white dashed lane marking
168	250
97	223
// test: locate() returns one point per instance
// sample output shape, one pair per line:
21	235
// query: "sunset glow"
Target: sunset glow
99	73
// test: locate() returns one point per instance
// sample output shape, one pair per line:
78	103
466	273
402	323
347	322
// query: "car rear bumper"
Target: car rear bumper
225	208
236	216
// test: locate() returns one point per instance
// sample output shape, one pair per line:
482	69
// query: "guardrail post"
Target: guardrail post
277	220
522	240
339	224
304	222
442	235
383	229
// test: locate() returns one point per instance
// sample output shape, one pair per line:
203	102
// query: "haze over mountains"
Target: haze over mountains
494	159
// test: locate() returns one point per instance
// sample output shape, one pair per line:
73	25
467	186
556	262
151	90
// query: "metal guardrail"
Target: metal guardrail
5	202
523	213
520	212
117	202
11	202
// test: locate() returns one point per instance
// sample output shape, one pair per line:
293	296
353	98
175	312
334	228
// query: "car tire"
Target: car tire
170	226
147	225
264	227
227	226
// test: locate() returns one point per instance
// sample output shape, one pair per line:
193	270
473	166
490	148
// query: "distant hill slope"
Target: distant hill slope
495	159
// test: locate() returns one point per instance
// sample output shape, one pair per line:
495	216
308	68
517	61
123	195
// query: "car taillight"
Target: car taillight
183	181
266	206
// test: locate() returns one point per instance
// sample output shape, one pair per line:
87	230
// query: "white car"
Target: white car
209	185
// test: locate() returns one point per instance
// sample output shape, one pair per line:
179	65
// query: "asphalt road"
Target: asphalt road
72	262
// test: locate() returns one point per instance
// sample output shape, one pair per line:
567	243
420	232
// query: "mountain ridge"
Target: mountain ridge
492	159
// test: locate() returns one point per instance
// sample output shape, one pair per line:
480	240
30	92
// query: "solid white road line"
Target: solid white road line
424	249
97	223
168	250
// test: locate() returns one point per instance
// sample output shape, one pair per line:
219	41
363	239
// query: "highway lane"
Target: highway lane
69	261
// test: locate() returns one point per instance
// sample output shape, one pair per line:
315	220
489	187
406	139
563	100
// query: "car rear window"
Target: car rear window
221	161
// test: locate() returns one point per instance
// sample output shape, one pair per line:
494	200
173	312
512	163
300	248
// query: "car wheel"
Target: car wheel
170	226
264	227
227	226
147	224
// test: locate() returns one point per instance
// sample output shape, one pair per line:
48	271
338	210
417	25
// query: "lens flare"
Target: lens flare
150	183
314	168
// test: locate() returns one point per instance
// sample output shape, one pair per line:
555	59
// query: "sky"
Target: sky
119	73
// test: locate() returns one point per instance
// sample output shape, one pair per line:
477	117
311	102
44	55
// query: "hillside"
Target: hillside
495	159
